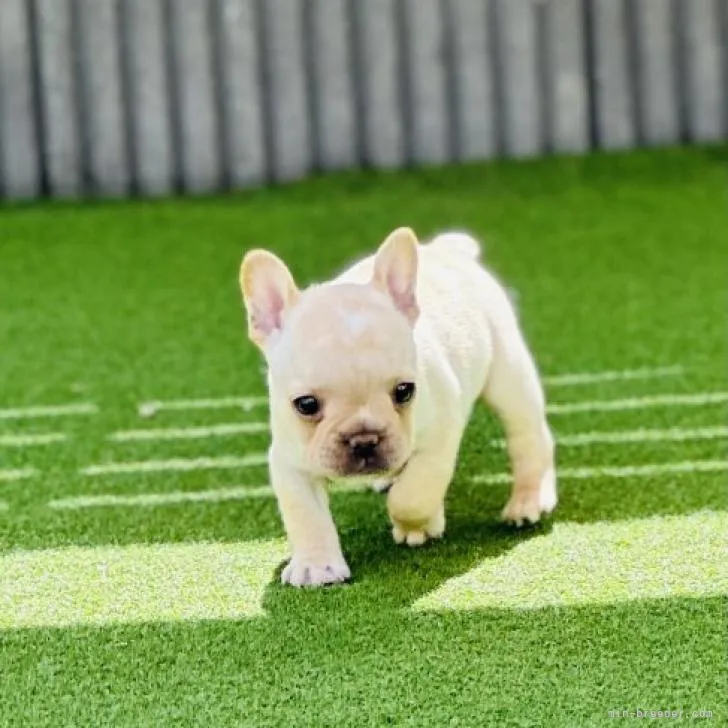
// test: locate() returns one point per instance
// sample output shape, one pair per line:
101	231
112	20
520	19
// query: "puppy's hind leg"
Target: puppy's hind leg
514	391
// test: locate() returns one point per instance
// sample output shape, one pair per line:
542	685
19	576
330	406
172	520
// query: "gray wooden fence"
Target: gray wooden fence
155	97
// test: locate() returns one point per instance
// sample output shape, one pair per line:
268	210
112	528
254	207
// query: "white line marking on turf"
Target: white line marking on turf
598	563
674	434
190	433
61	410
140	583
17	474
179	464
628	471
576	378
658	400
214	495
148	409
29	440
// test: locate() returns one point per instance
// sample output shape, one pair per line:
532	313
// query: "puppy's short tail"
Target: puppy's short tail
458	243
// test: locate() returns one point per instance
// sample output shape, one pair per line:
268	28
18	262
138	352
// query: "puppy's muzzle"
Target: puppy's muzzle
364	452
363	445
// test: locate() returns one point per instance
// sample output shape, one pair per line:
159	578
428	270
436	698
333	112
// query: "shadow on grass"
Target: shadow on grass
391	576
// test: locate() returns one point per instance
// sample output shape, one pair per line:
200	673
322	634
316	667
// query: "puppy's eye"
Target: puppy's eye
308	405
403	393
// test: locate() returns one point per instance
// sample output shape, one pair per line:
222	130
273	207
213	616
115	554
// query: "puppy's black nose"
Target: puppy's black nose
363	445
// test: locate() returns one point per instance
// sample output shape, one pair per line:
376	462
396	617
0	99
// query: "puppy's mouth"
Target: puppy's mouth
374	466
367	466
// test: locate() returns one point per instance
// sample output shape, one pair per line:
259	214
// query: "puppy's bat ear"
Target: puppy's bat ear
395	271
269	292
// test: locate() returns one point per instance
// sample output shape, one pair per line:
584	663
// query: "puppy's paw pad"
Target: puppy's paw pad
414	537
411	538
301	572
527	508
520	511
528	505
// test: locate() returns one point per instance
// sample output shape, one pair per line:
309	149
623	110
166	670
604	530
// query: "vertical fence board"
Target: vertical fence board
19	164
521	112
290	127
474	97
332	86
379	89
567	77
657	86
424	43
149	112
615	114
58	98
705	88
194	83
103	134
242	97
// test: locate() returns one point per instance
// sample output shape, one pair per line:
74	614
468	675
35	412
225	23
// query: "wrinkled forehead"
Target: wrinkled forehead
344	336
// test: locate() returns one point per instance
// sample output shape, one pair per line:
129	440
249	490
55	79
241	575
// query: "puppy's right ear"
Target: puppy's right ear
269	292
395	271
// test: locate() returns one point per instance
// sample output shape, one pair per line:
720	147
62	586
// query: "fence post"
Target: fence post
379	79
474	103
615	114
706	87
286	86
656	71
196	110
568	106
241	93
521	112
149	113
19	160
332	84
103	137
58	92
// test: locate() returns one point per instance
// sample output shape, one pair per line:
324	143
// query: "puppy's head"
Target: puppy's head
341	360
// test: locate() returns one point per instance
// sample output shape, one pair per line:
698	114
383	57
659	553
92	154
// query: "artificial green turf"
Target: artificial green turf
620	262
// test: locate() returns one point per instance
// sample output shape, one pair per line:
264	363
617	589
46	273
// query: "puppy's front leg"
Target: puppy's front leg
317	558
416	500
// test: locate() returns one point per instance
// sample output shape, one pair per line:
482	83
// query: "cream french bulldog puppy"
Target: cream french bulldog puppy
375	374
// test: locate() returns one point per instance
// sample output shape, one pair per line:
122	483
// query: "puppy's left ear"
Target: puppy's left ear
269	292
395	271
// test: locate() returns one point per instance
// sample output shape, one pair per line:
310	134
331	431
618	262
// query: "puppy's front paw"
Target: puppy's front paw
301	571
527	505
418	535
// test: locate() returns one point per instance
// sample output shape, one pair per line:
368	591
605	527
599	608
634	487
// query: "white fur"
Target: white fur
468	346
